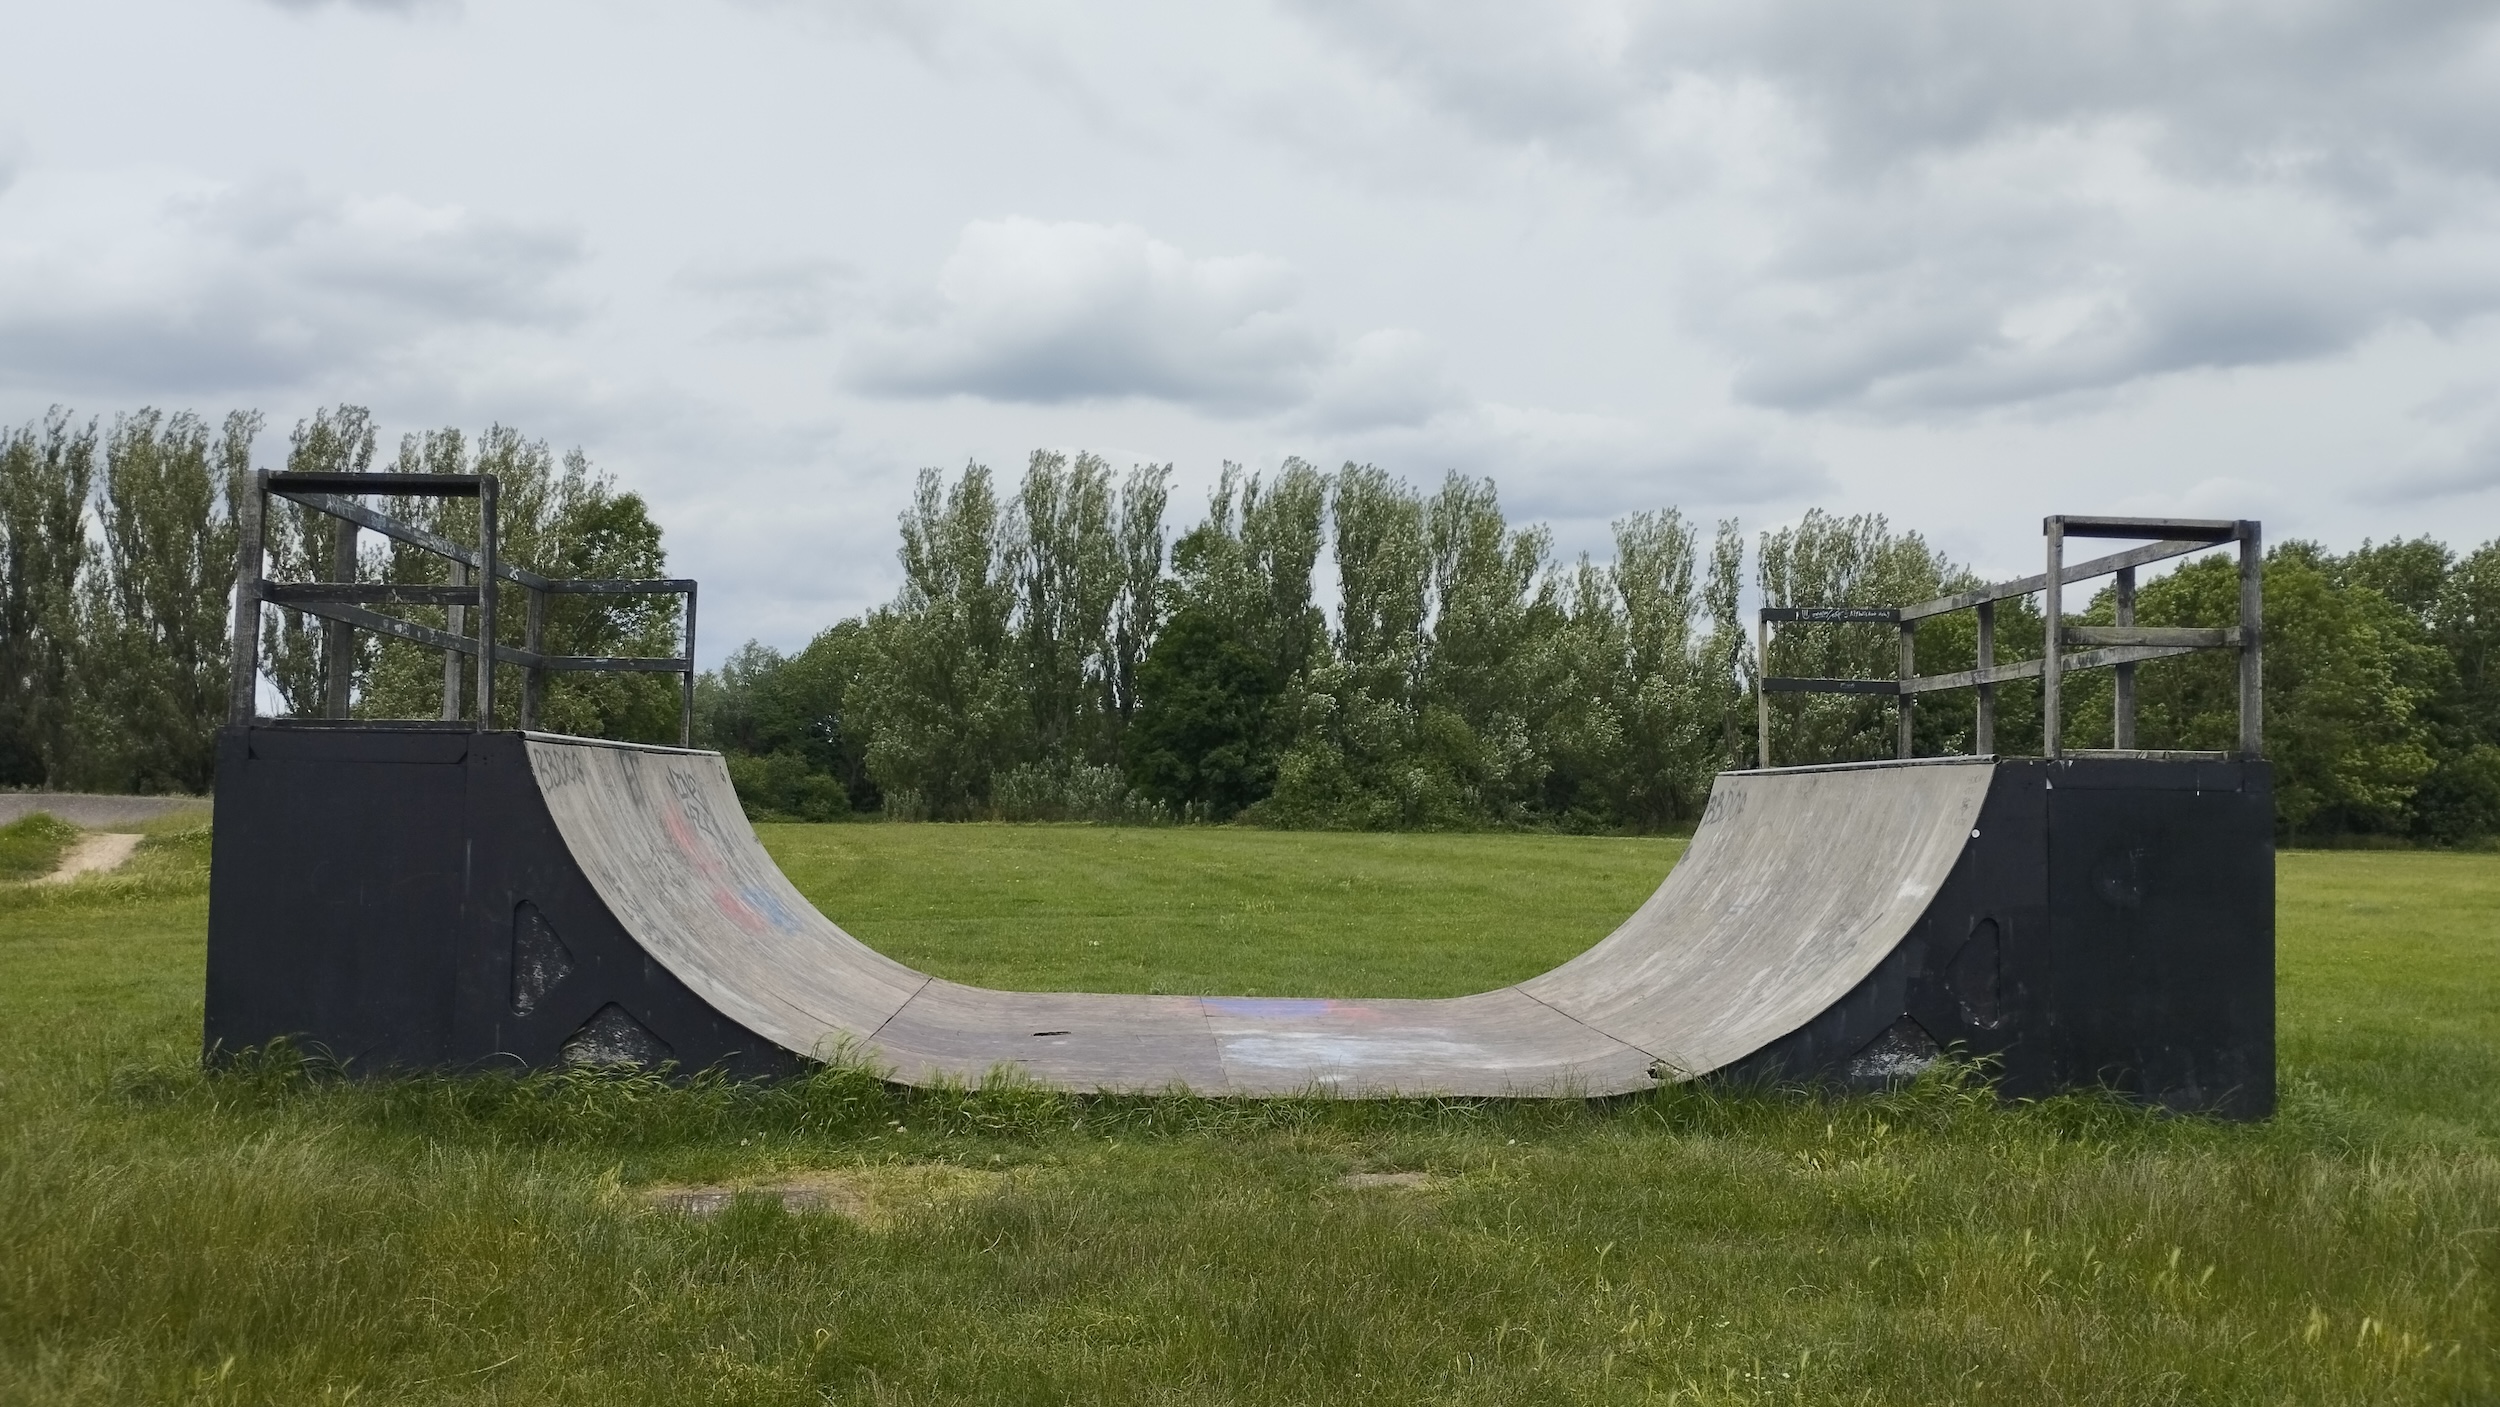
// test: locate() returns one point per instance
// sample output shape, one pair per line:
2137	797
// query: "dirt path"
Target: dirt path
93	854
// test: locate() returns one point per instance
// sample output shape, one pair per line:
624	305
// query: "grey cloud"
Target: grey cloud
1931	186
1389	377
1883	86
1575	467
773	299
1039	313
379	7
2470	470
265	285
2461	399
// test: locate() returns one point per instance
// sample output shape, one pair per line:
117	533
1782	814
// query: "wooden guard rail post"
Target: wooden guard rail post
2118	647
477	574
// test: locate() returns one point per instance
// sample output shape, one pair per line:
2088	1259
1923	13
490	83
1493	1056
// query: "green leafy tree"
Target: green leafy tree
156	624
1350	720
1139	611
1488	621
1064	555
794	712
2344	689
1669	737
943	700
46	472
1201	744
1243	578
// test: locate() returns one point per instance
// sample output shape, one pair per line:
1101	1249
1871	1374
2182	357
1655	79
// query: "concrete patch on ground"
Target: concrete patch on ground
874	1197
95	853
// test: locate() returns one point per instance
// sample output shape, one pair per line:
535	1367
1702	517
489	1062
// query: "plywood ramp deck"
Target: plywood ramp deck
1796	886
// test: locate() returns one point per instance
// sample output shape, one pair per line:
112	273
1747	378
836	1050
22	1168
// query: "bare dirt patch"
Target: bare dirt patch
874	1197
97	852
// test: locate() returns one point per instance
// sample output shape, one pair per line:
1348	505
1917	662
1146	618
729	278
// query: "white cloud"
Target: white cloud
1031	312
132	285
1047	312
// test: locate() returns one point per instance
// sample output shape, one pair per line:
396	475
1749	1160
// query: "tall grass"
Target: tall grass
33	845
271	1234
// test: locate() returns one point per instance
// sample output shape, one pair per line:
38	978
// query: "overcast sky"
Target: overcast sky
1960	264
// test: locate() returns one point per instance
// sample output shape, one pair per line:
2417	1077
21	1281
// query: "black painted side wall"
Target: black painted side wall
398	899
2111	924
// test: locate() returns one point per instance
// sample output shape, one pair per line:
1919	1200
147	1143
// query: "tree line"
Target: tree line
117	559
1047	658
1316	649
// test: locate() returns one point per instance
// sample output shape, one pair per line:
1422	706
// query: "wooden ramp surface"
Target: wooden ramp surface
1796	886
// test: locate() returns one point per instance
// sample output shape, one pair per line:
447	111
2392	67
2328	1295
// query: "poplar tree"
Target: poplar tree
46	471
156	615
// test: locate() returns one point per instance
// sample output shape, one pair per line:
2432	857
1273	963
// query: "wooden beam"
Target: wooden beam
1833	615
659	586
623	664
338	643
2193	637
2080	571
2088	525
352	593
2252	641
2154	754
243	651
398	531
2122	654
396	485
453	619
1905	669
1785	685
2053	612
1969	678
487	561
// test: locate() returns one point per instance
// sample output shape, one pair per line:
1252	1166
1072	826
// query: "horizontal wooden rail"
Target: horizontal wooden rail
398	531
2193	637
2080	571
1782	684
2211	530
2152	754
349	592
1833	615
395	485
623	664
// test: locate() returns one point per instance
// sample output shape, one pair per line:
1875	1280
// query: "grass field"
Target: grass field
263	1237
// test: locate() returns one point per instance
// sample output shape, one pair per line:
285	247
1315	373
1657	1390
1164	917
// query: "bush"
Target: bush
781	787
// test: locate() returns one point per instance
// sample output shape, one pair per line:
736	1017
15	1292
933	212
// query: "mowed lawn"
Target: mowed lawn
1212	910
265	1237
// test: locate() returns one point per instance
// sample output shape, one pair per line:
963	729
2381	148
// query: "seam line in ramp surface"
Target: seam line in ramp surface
1598	1031
1215	1043
925	980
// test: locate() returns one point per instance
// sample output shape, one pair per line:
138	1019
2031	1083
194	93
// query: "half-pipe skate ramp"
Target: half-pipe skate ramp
407	898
